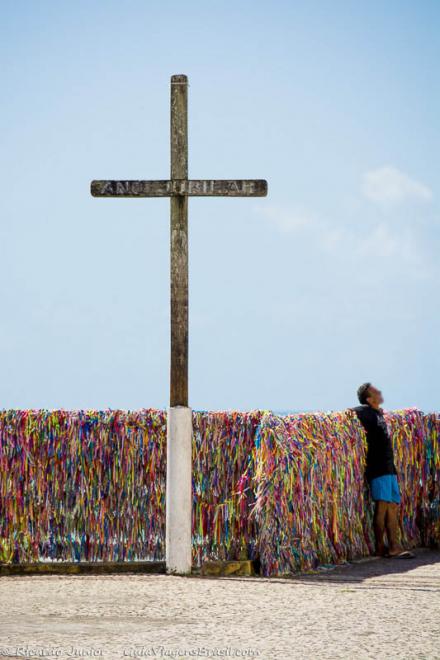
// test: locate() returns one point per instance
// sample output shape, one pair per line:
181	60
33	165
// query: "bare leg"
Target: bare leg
379	525
392	527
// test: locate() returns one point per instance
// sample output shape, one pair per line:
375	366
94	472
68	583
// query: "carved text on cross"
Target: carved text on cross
191	188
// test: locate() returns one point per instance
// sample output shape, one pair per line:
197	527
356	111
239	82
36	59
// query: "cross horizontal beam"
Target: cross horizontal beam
186	187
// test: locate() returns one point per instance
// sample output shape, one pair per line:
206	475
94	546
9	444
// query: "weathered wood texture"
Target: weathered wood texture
189	187
179	244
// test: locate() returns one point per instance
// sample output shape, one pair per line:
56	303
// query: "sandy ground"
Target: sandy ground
377	609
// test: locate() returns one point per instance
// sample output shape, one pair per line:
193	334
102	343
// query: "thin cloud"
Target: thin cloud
360	241
287	220
389	186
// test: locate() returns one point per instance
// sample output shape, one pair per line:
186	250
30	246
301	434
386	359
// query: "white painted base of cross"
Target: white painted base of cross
179	491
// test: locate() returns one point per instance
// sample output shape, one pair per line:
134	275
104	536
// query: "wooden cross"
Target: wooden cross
179	420
178	188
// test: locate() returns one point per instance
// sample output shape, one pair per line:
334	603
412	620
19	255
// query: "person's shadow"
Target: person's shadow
378	572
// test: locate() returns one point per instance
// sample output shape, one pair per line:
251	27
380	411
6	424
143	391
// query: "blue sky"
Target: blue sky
295	299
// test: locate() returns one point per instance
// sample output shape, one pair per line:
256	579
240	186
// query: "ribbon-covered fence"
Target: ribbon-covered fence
288	490
312	503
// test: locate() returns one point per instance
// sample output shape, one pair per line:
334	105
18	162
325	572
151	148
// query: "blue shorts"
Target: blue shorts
385	488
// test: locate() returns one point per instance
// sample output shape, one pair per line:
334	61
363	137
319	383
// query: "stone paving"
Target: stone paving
376	609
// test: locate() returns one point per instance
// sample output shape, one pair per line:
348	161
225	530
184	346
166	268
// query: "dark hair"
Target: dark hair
363	392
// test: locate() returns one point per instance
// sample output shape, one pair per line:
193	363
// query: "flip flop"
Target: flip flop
405	554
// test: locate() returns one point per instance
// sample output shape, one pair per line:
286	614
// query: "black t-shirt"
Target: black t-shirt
380	457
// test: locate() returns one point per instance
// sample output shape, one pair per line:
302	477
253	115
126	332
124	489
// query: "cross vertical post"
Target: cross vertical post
179	244
178	544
